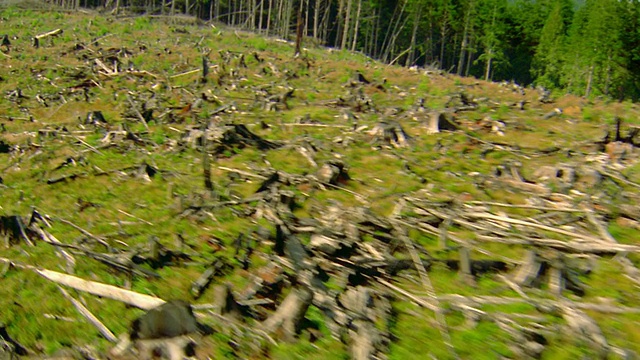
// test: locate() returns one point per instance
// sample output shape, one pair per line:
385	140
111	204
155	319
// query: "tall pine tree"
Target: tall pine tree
548	61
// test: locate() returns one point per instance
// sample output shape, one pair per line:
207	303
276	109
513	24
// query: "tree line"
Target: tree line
585	47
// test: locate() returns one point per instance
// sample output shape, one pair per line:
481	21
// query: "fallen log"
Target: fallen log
576	247
142	301
509	220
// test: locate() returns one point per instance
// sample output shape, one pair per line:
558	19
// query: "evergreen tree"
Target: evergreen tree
492	39
548	61
596	56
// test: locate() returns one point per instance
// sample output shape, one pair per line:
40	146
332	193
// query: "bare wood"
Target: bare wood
20	226
71	261
419	301
581	247
601	229
135	109
229	322
59	317
556	281
620	179
142	301
17	265
141	73
521	185
307	155
633	273
516	206
497	300
85	232
290	312
316	125
50	33
88	145
582	324
358	196
515	287
528	271
134	217
185	73
90	317
530	224
444	232
245	173
465	261
206	164
104	67
190	72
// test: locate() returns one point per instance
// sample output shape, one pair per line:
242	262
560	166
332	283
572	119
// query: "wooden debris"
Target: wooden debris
529	270
555	112
333	172
200	285
14	230
286	321
225	303
90	317
438	121
390	133
583	326
142	301
50	34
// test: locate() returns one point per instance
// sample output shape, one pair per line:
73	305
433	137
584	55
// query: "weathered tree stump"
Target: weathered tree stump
287	319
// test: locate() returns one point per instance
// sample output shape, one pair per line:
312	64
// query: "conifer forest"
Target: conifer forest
583	47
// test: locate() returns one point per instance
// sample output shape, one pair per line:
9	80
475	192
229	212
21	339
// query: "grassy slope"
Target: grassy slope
379	175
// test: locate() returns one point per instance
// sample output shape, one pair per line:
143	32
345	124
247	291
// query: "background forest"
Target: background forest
582	47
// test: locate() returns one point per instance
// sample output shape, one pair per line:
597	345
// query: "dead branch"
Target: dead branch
530	224
134	217
90	317
140	117
85	232
442	322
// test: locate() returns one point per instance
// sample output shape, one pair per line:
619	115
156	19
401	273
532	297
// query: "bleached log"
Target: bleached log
530	224
142	301
37	38
579	247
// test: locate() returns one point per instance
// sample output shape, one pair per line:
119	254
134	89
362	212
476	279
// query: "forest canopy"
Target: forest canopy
584	47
